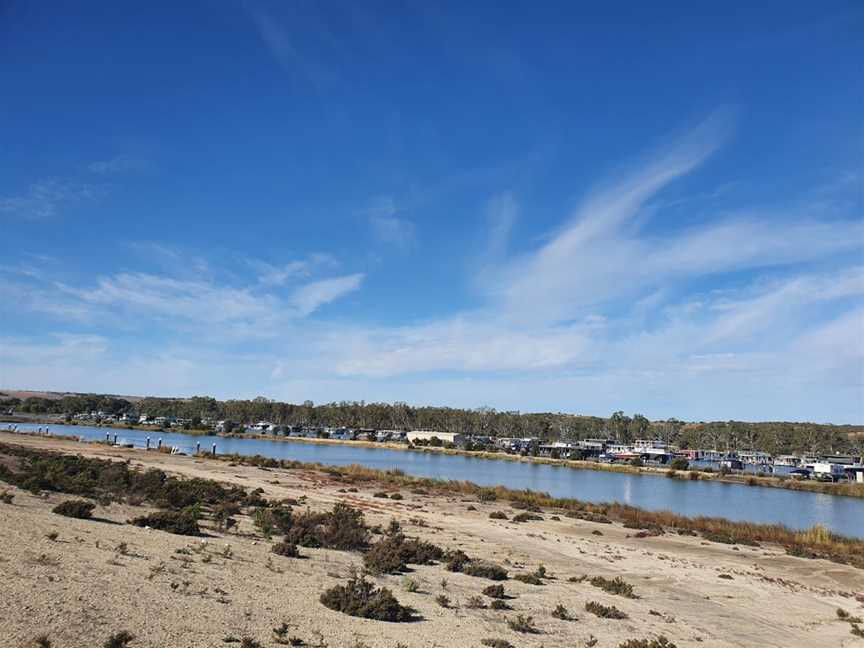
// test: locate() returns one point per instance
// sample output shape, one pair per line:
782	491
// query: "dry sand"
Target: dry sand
99	577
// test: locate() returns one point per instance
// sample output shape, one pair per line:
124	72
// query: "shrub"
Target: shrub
392	554
843	615
603	611
498	604
495	591
358	597
382	495
561	612
458	561
79	509
396	496
475	603
178	522
410	585
272	519
523	624
118	640
636	463
223	514
526	517
6	497
530	579
679	463
498	515
484	569
659	642
616	585
249	642
496	643
443	600
486	496
285	549
342	528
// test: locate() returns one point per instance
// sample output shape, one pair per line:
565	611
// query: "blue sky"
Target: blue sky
552	207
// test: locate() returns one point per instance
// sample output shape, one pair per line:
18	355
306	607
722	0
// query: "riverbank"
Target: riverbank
76	586
810	486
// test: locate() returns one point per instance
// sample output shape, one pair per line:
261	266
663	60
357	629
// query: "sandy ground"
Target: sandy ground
99	577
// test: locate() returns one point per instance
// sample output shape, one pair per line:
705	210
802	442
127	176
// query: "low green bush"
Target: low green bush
285	549
615	585
359	598
659	642
178	522
79	509
604	611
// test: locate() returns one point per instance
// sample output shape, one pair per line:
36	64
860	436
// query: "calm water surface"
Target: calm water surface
752	504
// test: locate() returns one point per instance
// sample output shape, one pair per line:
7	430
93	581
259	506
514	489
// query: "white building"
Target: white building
428	435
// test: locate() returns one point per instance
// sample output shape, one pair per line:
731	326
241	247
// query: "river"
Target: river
795	509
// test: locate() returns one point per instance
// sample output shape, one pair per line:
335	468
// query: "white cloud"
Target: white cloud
309	298
119	164
755	314
394	231
389	228
44	199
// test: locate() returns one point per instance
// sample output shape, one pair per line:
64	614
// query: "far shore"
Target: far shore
811	486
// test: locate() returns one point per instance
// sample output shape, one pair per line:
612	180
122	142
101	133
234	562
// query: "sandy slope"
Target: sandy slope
171	591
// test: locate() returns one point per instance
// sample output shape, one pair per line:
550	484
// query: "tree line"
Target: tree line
773	437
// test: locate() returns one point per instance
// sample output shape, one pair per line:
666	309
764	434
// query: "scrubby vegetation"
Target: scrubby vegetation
659	642
81	509
526	517
529	579
458	561
180	522
119	640
497	515
359	598
6	497
285	549
561	612
495	591
496	643
393	553
829	546
604	611
524	624
342	528
615	585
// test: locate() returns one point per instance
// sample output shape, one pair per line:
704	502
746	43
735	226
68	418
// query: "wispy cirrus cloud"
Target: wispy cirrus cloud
282	45
123	163
306	299
388	226
754	313
46	198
